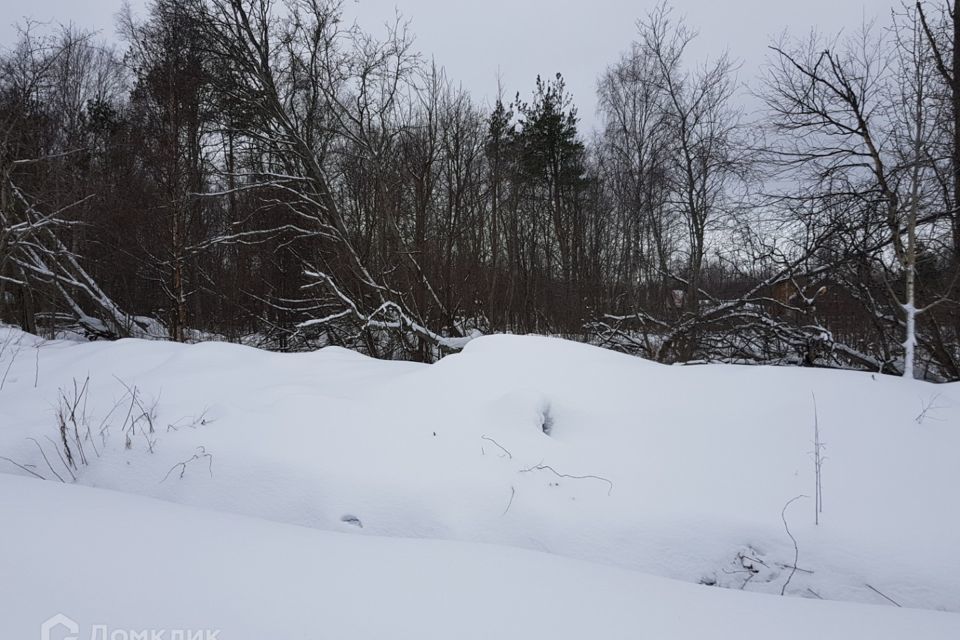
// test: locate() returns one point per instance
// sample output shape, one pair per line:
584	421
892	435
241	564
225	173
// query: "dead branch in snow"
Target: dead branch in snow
881	594
546	467
199	455
22	467
50	466
927	407
502	448
190	422
796	547
513	493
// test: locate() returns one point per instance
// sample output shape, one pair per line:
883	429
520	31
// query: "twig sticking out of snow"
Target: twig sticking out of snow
513	493
190	422
47	460
502	448
927	407
147	415
200	454
20	466
784	565
546	467
796	548
73	424
881	594
818	447
747	566
59	455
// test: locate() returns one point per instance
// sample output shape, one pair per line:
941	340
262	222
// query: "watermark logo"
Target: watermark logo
59	627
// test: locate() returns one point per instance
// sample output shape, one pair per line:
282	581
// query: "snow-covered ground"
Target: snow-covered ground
658	472
131	563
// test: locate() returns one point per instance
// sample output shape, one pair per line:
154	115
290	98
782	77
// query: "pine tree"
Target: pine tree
552	158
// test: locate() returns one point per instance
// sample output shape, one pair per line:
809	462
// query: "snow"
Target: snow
682	474
129	563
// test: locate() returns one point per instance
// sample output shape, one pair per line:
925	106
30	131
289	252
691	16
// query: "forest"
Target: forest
266	172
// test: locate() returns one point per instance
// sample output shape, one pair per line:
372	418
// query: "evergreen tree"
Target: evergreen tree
552	158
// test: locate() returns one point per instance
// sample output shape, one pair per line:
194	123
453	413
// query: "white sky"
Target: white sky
477	39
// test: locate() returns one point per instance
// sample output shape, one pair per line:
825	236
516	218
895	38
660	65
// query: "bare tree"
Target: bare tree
857	121
38	85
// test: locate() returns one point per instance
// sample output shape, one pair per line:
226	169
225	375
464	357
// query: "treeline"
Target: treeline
270	173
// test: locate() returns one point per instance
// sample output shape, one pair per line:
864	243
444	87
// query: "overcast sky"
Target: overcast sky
477	39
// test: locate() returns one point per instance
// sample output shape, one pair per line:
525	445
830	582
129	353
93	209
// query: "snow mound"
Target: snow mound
537	443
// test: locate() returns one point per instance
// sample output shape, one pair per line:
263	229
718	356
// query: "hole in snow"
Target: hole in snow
546	419
352	520
523	409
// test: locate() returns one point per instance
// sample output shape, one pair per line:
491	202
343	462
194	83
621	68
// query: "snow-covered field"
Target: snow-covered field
633	477
131	563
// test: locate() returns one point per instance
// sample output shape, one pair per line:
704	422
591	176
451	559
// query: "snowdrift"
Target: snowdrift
536	443
131	564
